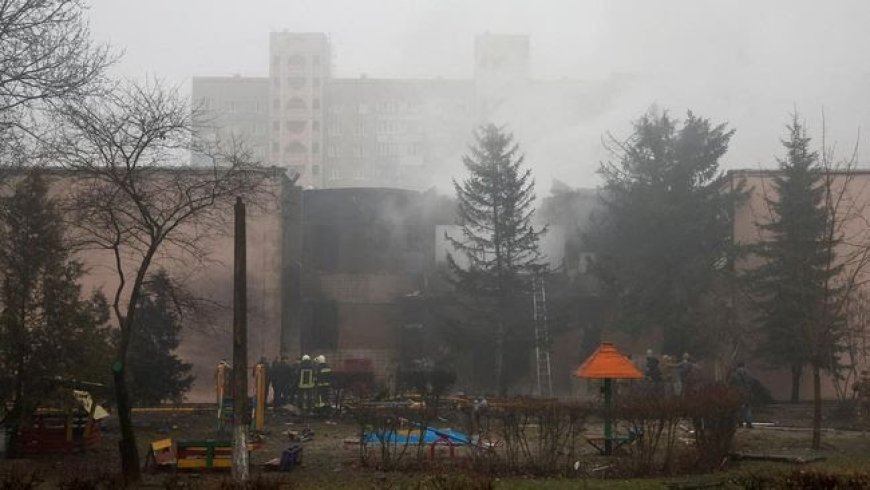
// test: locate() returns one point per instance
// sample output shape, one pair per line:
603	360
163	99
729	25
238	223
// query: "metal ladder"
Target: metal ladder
542	337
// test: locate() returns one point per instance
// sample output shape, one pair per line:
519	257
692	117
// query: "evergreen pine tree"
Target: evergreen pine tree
498	245
794	278
47	331
156	373
662	241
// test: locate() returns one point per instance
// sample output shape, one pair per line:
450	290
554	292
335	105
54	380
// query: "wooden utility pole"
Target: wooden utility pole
240	348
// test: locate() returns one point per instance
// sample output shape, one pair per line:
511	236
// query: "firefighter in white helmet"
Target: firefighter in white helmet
323	375
306	383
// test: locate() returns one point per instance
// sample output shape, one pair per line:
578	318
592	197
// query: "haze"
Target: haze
746	63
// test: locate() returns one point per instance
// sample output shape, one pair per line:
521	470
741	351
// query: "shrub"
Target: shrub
16	478
713	411
804	479
656	417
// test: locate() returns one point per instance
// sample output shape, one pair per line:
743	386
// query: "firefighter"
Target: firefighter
323	375
306	383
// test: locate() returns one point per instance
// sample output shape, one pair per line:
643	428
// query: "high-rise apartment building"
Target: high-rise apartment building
299	67
375	132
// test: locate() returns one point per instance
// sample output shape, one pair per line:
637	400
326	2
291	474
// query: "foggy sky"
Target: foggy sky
748	63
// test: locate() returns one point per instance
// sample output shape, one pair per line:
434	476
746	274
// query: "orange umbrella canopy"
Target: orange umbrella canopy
607	362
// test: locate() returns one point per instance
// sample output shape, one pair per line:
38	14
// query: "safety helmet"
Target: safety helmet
306	357
321	359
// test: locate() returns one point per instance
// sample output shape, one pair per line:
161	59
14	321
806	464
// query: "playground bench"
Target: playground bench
204	454
598	442
193	454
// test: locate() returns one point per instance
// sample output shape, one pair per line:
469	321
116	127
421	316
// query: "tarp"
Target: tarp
412	436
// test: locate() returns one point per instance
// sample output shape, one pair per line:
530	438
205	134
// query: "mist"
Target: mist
749	64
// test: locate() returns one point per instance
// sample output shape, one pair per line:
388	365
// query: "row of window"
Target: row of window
296	148
384	106
397	107
295	126
296	83
296	60
295	104
381	149
231	106
378	127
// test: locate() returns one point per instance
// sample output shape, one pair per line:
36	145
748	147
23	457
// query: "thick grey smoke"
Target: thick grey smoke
745	62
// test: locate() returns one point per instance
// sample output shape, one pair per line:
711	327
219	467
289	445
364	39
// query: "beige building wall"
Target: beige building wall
207	333
852	190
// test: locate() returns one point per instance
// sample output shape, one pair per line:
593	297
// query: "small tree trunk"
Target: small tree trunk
240	349
499	359
796	372
817	407
127	444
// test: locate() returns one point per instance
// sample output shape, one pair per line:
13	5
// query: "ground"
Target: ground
330	463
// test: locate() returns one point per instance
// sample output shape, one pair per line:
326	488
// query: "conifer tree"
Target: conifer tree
47	331
498	245
792	281
156	373
662	241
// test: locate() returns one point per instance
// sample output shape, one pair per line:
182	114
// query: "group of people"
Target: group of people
670	373
305	383
677	377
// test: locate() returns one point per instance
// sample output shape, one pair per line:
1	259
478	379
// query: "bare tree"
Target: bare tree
46	52
847	247
136	200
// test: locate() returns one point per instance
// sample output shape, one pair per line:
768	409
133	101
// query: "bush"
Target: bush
390	425
16	478
540	436
656	417
713	411
801	479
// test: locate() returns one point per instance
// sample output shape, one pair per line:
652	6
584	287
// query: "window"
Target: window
276	126
315	170
334	151
315	104
296	148
296	83
334	130
315	126
315	60
275	147
315	147
296	103
276	104
295	127
296	60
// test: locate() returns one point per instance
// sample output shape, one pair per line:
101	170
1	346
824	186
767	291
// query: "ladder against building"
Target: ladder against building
544	386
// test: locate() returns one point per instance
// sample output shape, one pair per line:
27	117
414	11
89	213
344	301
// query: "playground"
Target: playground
329	461
633	434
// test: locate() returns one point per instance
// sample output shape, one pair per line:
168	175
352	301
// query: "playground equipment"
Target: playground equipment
204	454
224	395
608	363
260	393
75	428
